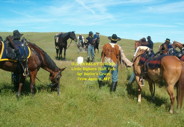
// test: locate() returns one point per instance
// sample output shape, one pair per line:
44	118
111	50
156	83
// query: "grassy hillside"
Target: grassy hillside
82	103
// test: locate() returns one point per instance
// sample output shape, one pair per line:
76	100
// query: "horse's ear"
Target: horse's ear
62	69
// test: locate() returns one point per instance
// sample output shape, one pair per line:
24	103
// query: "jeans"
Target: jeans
106	69
91	53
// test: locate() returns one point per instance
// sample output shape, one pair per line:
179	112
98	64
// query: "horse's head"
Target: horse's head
137	44
140	50
177	44
73	36
55	79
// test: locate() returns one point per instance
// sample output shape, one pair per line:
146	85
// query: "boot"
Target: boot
93	59
100	83
113	87
88	60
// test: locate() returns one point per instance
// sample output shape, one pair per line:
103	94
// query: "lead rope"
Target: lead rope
69	44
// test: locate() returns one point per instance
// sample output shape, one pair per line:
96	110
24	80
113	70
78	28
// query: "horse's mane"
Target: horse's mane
50	63
63	35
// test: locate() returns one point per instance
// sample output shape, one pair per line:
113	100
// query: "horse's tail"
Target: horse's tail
180	90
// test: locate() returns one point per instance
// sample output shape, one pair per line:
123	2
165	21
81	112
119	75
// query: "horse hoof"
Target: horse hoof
139	101
18	95
171	111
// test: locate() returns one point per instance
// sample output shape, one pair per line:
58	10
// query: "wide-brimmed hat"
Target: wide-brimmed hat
114	37
97	33
16	33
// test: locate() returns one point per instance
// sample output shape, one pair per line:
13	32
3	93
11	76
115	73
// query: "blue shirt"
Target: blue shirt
90	40
96	36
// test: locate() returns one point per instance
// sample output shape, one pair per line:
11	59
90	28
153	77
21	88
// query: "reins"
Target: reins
69	44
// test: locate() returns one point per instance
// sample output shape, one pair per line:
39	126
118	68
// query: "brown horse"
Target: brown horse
171	73
38	59
177	45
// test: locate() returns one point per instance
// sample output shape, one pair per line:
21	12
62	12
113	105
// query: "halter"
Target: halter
54	79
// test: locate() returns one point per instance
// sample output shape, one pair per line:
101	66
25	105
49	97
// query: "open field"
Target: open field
82	103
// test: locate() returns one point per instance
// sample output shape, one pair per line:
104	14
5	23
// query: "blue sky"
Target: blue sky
130	19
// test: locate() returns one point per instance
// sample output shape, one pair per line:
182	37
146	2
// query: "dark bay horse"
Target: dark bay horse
171	71
61	43
38	59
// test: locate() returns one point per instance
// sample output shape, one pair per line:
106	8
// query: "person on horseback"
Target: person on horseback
91	42
166	47
112	55
15	42
150	42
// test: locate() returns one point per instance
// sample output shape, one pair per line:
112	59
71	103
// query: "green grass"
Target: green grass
82	103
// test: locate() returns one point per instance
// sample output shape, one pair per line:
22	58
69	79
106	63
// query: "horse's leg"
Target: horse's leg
32	80
151	88
61	49
64	53
21	82
170	90
19	89
139	87
57	52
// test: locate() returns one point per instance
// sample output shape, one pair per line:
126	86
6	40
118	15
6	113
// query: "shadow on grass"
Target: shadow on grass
7	88
155	100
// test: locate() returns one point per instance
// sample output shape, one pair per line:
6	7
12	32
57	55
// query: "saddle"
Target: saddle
8	52
150	61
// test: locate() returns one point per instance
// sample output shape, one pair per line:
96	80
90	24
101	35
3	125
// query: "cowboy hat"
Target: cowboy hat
114	37
17	33
167	39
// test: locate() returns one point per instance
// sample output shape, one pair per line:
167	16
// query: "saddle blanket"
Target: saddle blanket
151	63
8	54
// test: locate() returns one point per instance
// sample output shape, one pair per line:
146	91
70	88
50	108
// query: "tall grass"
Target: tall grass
82	103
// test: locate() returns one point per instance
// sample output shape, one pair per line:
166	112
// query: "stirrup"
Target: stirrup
26	73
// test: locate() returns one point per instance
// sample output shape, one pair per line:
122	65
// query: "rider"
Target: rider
166	47
150	42
15	43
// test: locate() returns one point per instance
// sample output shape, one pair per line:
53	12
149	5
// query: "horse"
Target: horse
38	59
137	44
62	43
80	46
171	70
177	45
